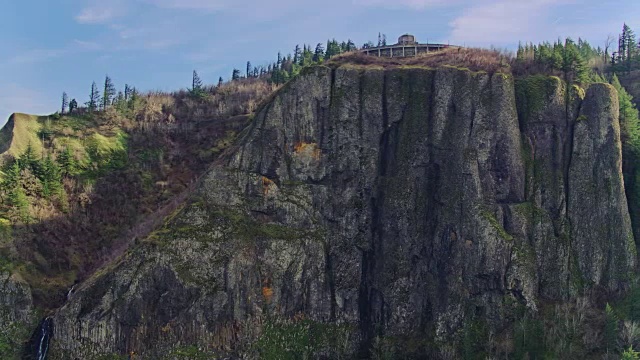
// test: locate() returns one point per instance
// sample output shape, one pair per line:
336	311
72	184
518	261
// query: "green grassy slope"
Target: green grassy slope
19	132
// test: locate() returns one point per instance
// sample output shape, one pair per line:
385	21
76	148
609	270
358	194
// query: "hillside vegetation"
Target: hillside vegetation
78	188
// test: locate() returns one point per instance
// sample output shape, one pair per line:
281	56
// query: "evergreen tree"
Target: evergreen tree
119	102
109	92
333	49
51	177
630	46
28	159
73	105
384	39
630	137
573	65
67	162
127	92
249	70
297	55
16	196
196	83
197	90
11	177
235	75
94	98
379	39
319	53
220	82
350	46
134	98
65	103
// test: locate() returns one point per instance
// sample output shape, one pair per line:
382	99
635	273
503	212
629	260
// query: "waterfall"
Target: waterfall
40	339
70	292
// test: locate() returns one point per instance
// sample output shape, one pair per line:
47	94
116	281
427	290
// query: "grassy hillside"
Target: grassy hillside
77	189
20	131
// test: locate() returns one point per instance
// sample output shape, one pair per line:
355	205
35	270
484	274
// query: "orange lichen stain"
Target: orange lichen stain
309	149
167	328
267	293
266	185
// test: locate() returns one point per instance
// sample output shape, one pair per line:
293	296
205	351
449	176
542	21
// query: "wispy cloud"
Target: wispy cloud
101	12
505	21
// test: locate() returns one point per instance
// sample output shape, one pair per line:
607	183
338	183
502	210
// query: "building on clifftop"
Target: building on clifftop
406	46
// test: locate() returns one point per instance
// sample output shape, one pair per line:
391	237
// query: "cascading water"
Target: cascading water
40	340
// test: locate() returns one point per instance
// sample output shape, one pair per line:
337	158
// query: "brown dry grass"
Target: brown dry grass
474	59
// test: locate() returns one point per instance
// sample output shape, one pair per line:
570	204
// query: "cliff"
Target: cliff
366	206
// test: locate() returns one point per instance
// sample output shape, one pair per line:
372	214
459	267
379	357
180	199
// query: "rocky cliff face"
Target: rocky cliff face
361	203
16	314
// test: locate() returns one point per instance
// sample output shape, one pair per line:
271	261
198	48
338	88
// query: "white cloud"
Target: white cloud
95	16
101	12
504	22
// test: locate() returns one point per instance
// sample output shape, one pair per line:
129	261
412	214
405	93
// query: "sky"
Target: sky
51	46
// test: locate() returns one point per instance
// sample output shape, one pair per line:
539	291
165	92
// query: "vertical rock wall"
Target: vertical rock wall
400	202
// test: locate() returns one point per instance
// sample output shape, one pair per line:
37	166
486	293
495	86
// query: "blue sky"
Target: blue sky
51	46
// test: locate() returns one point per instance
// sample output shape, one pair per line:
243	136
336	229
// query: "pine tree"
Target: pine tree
350	45
235	75
73	105
220	81
297	55
109	92
384	39
16	196
65	103
67	162
630	46
196	83
94	98
28	159
319	53
119	102
51	177
11	177
127	92
249	70
197	90
133	99
573	64
630	137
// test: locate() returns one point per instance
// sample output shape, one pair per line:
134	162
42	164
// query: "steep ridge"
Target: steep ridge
364	203
20	131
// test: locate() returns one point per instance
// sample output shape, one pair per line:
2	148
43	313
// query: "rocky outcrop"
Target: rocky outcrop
600	223
365	203
16	314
